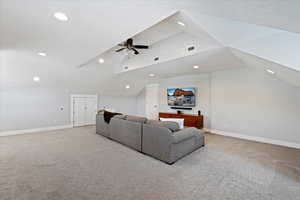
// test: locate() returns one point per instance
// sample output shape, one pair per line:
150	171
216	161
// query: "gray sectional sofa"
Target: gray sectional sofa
161	140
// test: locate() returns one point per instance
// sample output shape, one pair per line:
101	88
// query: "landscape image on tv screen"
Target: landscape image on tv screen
184	97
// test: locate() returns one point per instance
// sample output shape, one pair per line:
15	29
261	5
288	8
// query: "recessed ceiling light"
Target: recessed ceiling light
270	71
181	23
151	75
196	67
101	60
127	86
61	16
42	54
36	79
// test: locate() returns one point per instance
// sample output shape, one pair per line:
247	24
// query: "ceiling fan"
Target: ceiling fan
128	44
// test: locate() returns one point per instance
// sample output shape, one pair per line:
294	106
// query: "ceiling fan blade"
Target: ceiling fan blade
120	49
141	46
135	51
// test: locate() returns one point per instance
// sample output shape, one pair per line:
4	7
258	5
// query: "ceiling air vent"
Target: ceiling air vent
156	58
191	48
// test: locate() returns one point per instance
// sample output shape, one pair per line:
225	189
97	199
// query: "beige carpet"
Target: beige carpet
75	164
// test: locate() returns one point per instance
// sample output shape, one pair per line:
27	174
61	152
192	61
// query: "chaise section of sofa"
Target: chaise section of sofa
168	144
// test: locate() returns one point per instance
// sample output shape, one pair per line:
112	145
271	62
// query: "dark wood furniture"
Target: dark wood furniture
189	120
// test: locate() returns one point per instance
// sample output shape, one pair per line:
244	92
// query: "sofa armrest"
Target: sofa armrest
184	134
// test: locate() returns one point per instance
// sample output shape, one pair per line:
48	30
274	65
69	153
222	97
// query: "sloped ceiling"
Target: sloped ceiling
272	44
97	26
281	72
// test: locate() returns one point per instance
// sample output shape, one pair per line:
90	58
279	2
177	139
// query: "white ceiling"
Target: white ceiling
97	26
281	72
171	42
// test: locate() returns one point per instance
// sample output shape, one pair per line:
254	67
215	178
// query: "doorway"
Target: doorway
83	110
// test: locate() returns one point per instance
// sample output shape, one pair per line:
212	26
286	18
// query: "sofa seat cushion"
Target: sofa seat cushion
136	119
172	126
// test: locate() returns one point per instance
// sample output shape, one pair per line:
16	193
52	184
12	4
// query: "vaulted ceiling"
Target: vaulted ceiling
237	33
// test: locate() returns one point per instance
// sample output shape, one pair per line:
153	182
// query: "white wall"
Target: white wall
37	107
202	85
152	101
122	104
141	101
33	108
253	103
244	101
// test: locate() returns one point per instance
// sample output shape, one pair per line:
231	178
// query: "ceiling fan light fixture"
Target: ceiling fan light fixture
129	46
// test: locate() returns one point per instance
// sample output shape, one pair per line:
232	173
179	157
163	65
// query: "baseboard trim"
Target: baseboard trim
19	132
254	138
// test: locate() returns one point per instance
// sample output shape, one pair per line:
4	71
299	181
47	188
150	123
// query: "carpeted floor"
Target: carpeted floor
75	164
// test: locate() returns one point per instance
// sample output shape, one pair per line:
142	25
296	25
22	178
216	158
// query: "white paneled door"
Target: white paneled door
84	110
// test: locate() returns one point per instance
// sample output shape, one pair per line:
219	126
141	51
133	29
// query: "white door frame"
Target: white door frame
80	96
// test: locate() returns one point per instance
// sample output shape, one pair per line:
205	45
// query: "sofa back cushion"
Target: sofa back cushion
126	132
172	126
136	119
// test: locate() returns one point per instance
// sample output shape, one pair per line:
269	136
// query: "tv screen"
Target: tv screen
184	97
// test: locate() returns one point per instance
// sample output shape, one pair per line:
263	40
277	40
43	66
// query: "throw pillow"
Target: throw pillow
177	120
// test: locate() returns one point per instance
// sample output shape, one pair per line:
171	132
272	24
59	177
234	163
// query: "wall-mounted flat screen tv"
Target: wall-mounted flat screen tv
184	97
